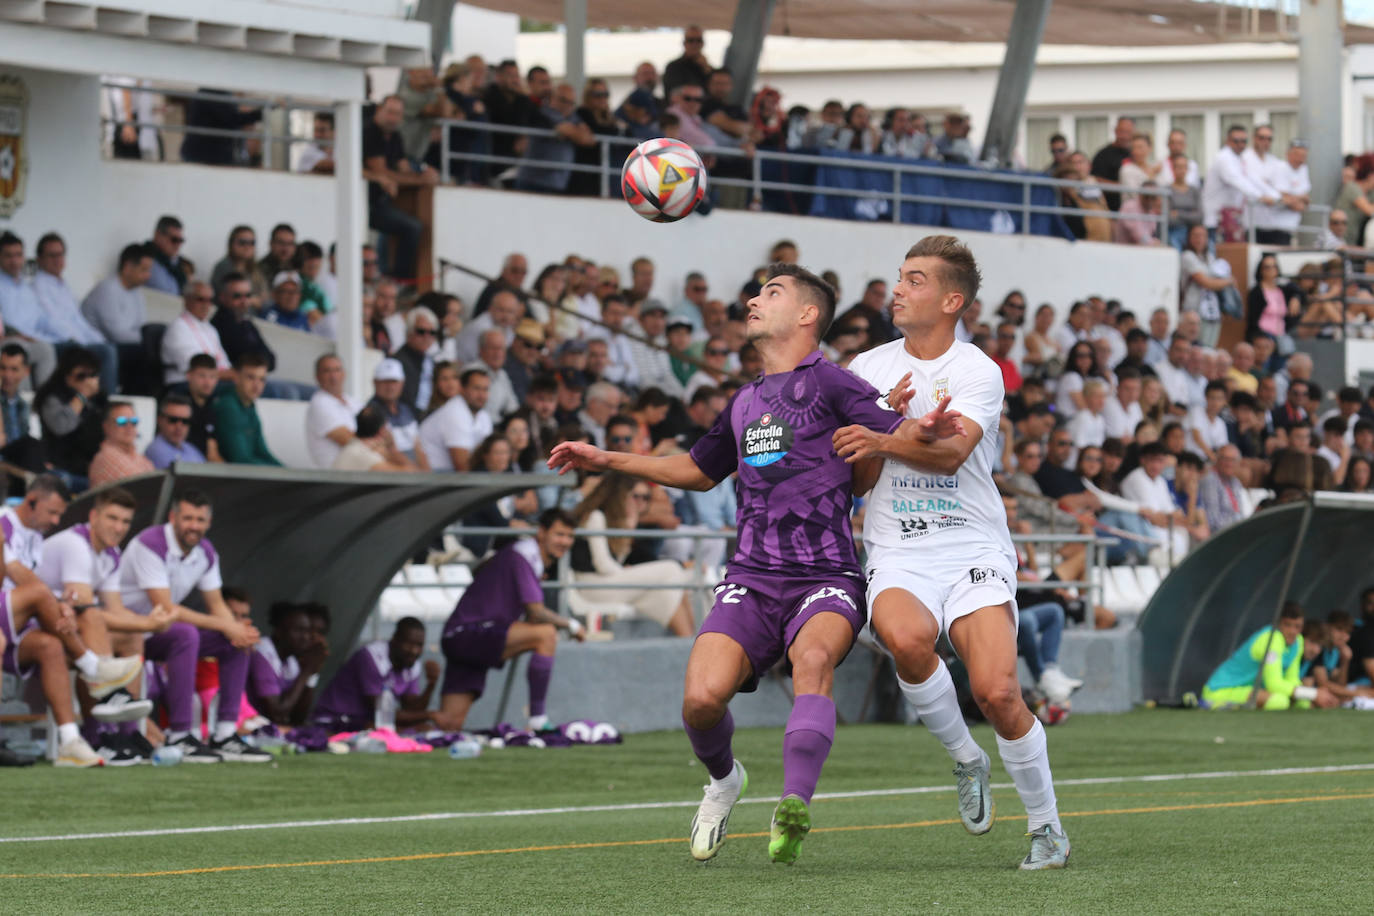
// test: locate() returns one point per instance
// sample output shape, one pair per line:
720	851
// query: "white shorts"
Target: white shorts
949	591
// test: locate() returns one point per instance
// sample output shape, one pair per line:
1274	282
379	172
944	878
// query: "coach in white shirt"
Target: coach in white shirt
191	334
331	418
1277	225
450	434
1229	185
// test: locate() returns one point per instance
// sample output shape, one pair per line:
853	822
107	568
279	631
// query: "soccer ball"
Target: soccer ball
1053	713
663	180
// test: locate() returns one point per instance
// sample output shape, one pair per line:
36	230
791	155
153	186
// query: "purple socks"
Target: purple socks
538	675
712	745
806	744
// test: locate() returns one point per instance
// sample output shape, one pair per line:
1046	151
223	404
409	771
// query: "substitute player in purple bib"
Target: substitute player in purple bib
793	587
939	552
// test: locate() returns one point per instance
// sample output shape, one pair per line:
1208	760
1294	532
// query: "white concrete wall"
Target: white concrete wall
480	227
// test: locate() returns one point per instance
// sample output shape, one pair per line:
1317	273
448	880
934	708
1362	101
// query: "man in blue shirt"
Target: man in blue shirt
173	427
24	319
169	274
286	302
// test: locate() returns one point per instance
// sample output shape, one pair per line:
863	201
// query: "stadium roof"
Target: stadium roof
1074	22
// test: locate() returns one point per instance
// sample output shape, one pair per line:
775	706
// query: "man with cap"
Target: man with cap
572	361
286	301
387	382
525	356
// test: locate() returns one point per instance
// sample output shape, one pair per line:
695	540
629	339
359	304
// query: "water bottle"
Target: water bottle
166	756
464	749
370	746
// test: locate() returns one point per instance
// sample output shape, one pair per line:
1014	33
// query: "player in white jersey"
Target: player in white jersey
939	552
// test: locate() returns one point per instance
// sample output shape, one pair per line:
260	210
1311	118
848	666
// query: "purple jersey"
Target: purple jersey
502	587
362	679
268	675
795	493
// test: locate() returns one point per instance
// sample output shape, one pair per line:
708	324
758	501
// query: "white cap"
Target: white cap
286	276
389	370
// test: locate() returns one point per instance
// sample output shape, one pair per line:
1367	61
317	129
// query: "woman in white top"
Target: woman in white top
616	502
1203	277
1138	169
1078	368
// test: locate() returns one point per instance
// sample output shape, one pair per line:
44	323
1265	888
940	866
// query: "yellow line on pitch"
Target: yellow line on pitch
613	844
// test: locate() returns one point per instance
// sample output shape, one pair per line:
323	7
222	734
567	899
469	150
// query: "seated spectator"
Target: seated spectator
64	313
18	448
1122	413
1357	475
1089	425
118	456
685	107
371	448
284	669
379	685
116	308
1086	197
1037	641
241	259
1147	487
640	112
70	409
387	170
25	321
315	302
216	147
1221	494
1187	475
329	420
238	430
1001	355
456	422
504	314
190	334
511	279
491	356
285	309
602	402
1273	657
858	134
619	365
715	355
502	616
496	455
1207	430
616	502
202	382
168	274
387	381
1056	477
281	256
422	327
173	427
1297	470
525	358
954	145
233	321
1334	449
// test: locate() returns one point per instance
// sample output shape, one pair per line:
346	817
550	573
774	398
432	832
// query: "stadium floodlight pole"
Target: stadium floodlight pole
1283	591
679	355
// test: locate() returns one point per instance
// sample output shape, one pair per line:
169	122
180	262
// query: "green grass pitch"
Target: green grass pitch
1243	843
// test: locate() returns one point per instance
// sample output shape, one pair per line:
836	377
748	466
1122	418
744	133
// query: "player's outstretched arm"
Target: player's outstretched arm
939	442
670	470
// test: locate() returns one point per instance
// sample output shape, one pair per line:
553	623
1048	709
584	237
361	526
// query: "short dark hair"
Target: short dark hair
47	239
813	290
248	359
550	517
621	419
1335	426
131	254
318	611
652	397
167	222
193	497
236	593
281	227
704	393
542	384
1126	372
469	373
1039	410
1153	450
233	276
1058	138
370	421
1192	460
116	496
1363	426
281	610
202	361
13	349
1349	395
1340	620
308	250
406	624
1244	399
8	238
111	407
45	484
1137	334
960	271
1291	611
1214	385
529	74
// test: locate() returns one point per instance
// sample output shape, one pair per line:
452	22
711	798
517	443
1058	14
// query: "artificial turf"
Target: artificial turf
1244	843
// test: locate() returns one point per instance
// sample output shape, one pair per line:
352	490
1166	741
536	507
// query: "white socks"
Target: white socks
538	722
88	664
224	730
1027	760
68	732
937	704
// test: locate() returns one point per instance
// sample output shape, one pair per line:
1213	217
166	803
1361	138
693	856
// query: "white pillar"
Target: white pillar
1320	57
575	40
350	216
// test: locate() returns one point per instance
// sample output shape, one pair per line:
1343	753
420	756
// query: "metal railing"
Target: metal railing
1310	232
608	170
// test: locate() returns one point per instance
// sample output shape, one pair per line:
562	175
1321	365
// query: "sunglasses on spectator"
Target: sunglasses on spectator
599	94
202	298
716	351
240	295
1338	222
245	241
126	421
176	239
693	41
698	289
692	98
1056	150
83	376
369	262
425	332
620	440
185	421
1264	136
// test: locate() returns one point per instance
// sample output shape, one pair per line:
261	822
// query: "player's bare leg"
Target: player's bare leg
986	641
717	668
103	674
819	647
909	630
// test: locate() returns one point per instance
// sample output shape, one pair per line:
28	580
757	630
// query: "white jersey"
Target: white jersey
22	543
961	516
68	557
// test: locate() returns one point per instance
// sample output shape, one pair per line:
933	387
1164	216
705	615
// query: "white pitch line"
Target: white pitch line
647	806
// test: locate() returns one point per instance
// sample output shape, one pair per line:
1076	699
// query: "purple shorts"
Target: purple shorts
470	650
12	639
764	613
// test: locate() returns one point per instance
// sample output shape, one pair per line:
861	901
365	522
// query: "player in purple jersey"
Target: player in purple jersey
502	615
793	587
379	685
284	669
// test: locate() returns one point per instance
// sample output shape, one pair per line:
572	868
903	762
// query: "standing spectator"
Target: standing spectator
1204	278
70	409
1353	201
464	86
1107	162
904	140
118	456
285	309
387	381
317	158
1277	225
1085	196
1185	202
173	428
692	68
190	333
387	171
1271	306
646	82
238	430
507	105
1059	155
24	319
1138	168
228	115
491	357
557	111
168	274
1229	187
1174	173
242	259
451	432
330	418
730	119
281	256
63	312
954	145
424	101
823	134
422	327
595	113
